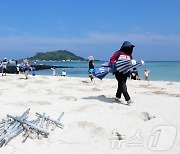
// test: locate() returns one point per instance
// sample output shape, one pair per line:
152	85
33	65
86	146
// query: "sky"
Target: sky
90	27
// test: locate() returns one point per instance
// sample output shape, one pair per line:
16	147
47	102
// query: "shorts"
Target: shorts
90	75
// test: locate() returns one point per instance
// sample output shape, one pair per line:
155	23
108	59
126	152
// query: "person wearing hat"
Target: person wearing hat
125	52
63	72
134	74
26	68
91	67
4	66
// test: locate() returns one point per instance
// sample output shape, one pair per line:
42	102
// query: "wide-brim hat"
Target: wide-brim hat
91	58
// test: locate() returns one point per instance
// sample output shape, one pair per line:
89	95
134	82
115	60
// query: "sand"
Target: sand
94	122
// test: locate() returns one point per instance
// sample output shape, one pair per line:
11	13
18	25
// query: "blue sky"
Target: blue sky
90	27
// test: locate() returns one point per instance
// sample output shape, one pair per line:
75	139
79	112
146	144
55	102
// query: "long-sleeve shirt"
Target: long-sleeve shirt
118	55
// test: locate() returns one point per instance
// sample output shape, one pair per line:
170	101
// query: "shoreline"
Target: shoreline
86	77
159	70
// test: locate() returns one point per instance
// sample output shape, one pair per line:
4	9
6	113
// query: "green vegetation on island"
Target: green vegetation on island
56	56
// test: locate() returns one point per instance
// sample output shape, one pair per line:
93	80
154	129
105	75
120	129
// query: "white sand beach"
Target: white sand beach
94	123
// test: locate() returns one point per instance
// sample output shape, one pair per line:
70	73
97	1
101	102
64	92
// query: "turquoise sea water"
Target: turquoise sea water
159	70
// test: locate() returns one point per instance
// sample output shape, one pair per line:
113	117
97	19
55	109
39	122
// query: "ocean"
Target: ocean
159	70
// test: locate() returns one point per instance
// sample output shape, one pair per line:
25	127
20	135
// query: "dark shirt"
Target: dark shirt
134	75
91	65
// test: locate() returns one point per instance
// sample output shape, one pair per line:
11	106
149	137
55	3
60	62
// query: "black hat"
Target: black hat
127	44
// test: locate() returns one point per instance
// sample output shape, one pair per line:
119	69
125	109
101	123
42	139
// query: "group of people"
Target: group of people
54	72
134	74
26	67
125	52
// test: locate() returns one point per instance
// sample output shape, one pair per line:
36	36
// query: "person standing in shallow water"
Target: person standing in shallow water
125	52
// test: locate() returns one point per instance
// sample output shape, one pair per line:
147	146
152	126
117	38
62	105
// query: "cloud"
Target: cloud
144	38
38	43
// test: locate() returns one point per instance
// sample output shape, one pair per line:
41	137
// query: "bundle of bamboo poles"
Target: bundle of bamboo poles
14	125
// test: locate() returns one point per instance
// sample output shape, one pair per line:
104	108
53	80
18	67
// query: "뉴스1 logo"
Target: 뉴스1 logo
162	138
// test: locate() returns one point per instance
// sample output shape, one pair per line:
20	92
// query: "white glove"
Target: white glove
133	62
142	62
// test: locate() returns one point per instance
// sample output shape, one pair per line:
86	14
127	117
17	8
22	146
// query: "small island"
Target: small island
60	55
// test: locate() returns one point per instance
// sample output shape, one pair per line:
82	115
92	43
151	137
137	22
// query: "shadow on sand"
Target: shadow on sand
22	78
101	98
105	99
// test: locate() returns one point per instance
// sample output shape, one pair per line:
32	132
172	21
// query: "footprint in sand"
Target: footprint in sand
29	103
31	91
165	93
86	107
145	116
91	128
3	80
21	86
39	102
85	81
170	83
86	132
40	82
115	135
148	86
69	98
95	89
52	92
